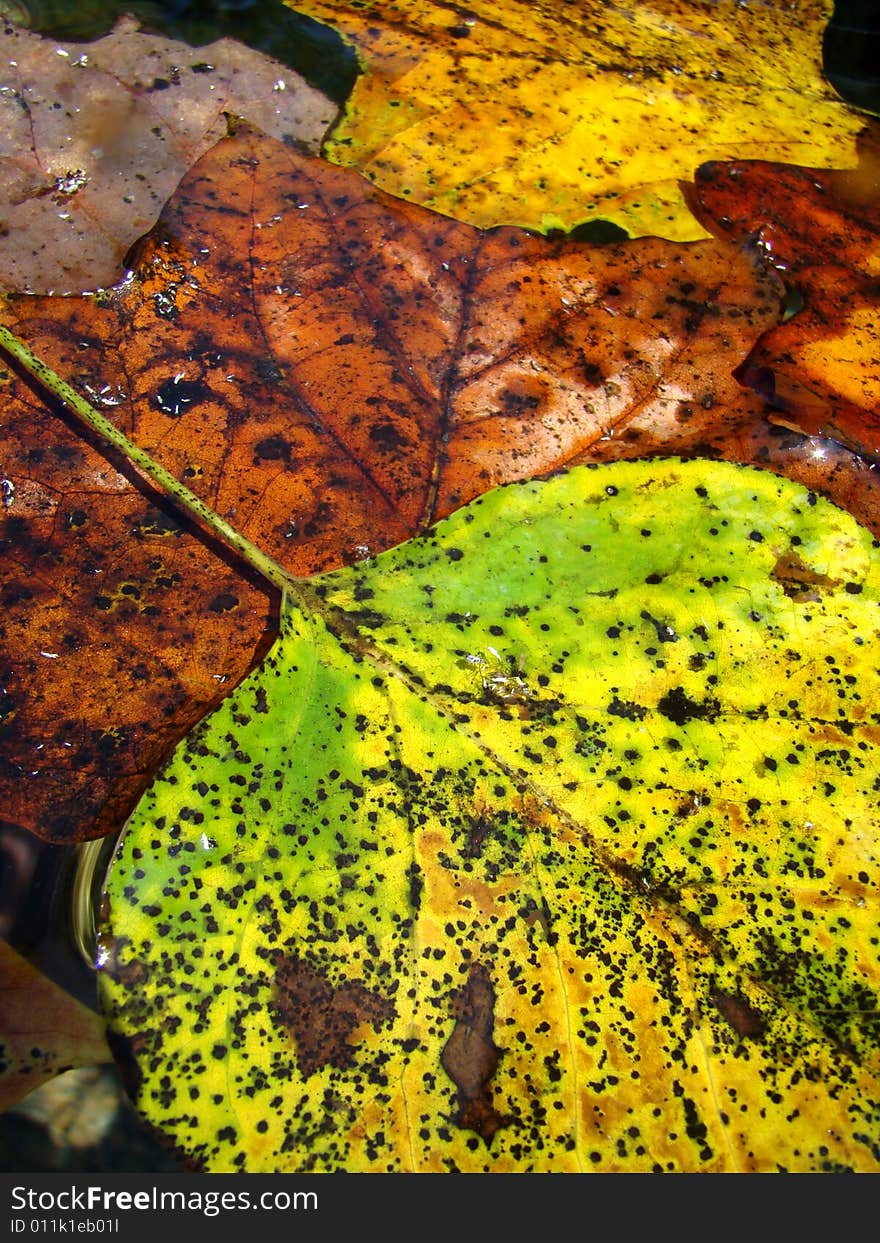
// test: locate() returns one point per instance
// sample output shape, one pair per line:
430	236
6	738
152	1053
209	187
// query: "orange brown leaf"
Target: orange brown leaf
821	230
44	1029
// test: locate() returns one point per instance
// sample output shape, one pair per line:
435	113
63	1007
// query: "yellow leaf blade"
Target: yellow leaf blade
552	116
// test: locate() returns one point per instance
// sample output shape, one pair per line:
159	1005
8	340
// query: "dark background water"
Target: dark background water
851	47
851	52
313	50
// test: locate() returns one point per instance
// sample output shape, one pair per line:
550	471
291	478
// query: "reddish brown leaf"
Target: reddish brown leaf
44	1029
119	629
818	370
332	370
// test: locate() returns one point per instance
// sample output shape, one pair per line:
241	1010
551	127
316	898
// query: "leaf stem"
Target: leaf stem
187	500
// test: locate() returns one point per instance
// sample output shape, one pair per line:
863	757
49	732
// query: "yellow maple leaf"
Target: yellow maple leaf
549	116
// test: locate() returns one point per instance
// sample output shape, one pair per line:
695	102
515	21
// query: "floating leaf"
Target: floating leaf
44	1029
545	841
552	115
822	231
96	136
334	369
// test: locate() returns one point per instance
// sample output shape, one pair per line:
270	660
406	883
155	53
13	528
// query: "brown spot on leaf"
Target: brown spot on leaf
132	973
470	1056
800	581
739	1014
540	916
322	1018
479	828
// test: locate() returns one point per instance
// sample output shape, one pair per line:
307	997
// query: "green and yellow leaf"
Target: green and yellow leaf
544	842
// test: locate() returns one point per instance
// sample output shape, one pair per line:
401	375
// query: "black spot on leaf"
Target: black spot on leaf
678	707
321	1018
176	396
272	449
